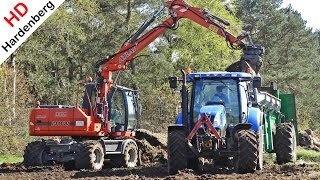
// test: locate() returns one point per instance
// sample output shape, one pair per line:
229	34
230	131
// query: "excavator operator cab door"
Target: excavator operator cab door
124	109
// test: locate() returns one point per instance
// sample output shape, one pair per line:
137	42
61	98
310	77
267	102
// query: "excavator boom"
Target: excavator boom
178	9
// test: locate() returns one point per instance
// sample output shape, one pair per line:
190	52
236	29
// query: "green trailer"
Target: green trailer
280	122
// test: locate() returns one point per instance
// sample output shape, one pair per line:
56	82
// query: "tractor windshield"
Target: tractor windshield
217	91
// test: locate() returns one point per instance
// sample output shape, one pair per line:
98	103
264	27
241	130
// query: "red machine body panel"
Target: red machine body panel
63	122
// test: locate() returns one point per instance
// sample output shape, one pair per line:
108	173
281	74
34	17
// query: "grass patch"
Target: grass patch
269	158
303	156
308	154
10	159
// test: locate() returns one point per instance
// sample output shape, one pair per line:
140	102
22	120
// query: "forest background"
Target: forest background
63	51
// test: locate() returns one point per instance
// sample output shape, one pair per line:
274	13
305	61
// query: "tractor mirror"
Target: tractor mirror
257	82
173	81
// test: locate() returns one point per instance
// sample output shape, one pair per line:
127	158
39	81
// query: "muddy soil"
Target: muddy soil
158	171
154	167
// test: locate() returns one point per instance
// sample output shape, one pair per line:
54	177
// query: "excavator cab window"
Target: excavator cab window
117	109
124	109
132	116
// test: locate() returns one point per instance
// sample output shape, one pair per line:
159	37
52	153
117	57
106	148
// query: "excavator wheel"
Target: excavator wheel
247	146
89	156
128	159
177	151
285	143
33	154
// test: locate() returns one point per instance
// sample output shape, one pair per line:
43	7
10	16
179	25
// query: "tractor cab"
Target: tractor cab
220	91
224	96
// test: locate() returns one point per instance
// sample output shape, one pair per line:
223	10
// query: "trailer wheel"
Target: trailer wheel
128	159
260	140
177	151
247	145
33	154
89	156
285	143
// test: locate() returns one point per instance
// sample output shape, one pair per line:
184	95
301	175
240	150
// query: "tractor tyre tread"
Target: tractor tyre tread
285	145
177	151
247	145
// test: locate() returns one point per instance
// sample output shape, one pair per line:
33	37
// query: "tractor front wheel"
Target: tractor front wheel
247	146
177	151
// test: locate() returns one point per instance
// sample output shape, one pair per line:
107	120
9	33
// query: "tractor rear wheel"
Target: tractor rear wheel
285	143
33	154
177	151
89	156
247	146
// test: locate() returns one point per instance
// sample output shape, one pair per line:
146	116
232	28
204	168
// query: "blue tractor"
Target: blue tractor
227	118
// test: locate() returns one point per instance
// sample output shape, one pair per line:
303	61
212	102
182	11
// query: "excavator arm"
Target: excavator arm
178	9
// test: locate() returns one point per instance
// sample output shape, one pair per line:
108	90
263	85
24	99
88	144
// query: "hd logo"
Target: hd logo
20	19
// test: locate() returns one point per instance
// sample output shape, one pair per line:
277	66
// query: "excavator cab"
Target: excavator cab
124	106
124	109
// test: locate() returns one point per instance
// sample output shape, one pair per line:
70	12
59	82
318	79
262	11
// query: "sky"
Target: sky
309	9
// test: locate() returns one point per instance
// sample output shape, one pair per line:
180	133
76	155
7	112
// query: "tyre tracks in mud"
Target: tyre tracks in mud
158	171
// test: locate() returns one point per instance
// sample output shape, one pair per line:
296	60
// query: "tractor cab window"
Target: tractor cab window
217	91
244	101
118	111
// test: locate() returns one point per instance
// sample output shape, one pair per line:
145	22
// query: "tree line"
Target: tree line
64	50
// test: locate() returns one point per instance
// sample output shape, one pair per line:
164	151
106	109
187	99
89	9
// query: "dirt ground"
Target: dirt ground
155	167
158	171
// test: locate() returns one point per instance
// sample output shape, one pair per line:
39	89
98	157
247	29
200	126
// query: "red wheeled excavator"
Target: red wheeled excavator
105	126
